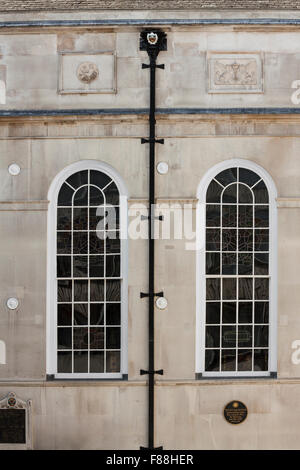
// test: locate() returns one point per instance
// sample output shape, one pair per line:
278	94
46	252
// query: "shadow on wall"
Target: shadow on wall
2	352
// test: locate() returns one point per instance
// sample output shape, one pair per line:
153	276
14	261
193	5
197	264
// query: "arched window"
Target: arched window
236	305
87	273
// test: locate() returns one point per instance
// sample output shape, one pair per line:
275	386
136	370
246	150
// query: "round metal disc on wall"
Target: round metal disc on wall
235	412
162	168
12	303
14	169
161	303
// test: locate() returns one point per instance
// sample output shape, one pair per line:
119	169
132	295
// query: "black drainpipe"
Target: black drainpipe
151	41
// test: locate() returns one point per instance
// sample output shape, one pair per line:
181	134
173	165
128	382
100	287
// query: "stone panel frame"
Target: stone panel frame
11	401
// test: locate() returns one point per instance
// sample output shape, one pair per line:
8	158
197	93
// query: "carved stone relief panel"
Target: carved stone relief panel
87	72
235	72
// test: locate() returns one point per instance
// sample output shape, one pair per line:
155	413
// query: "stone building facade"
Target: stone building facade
74	99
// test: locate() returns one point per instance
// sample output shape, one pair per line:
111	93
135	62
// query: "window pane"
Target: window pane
261	216
80	218
80	314
212	263
229	216
261	265
245	312
112	266
113	314
261	312
229	336
80	242
97	220
245	194
64	291
229	312
245	288
63	266
244	359
80	266
245	216
212	360
229	263
113	242
212	289
212	216
80	361
64	314
80	338
212	312
80	290
64	338
229	289
261	240
96	244
261	193
97	361
99	179
214	192
96	291
113	338
63	243
230	194
112	194
96	266
245	263
248	177
113	361
229	240
96	197
81	197
261	336
64	362
78	179
245	240
227	176
245	336
261	289
65	196
64	216
228	360
97	314
97	338
212	239
261	359
212	337
113	291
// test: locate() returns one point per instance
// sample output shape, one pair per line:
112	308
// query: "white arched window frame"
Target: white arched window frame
201	270
51	350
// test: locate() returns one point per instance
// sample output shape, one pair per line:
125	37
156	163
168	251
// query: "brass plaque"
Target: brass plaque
235	412
12	426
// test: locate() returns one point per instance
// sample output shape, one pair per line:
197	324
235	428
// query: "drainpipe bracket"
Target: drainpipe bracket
152	141
158	66
151	372
158	294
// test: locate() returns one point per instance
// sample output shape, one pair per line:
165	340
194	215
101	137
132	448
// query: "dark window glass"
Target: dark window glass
112	194
64	216
80	338
64	291
245	240
113	361
245	263
229	312
113	314
212	312
96	291
64	362
245	288
261	336
261	359
212	289
97	314
81	197
261	289
248	177
227	176
64	314
228	360
113	266
80	290
230	194
261	216
214	192
212	360
212	263
261	312
261	193
244	359
63	243
229	263
64	338
97	220
80	266
80	218
96	197
96	266
63	266
245	336
212	239
80	242
229	336
99	179
96	243
78	179
80	361
245	216
113	291
229	240
229	288
113	338
113	242
229	216
212	337
212	216
261	240
97	338
245	312
245	194
80	314
261	263
112	218
96	361
65	196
